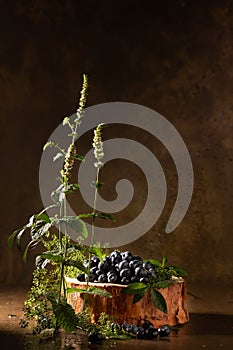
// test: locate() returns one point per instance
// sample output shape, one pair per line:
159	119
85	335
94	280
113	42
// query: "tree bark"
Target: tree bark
122	308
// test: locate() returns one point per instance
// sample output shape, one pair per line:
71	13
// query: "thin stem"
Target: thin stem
92	230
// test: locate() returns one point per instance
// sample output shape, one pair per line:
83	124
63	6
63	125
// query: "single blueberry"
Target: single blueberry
125	273
125	280
81	277
163	331
123	264
140	333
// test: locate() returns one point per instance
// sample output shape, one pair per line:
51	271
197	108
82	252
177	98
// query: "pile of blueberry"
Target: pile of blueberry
146	331
122	268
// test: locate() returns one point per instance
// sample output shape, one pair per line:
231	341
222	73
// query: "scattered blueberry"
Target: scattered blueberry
163	331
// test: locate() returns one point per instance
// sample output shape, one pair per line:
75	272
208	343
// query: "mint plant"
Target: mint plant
60	254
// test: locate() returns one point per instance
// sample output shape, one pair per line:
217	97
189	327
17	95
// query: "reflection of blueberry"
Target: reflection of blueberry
95	337
163	331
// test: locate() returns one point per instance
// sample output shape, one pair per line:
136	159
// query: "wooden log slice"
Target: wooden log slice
121	305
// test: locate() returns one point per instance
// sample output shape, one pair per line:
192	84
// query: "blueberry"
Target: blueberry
93	270
86	263
163	331
95	260
112	278
143	280
125	325
153	273
134	279
132	328
103	266
126	256
102	278
107	260
99	272
140	333
125	273
140	272
95	337
151	333
147	325
123	264
91	278
125	280
133	264
81	277
147	265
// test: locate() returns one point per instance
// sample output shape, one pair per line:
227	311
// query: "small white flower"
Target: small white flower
98	146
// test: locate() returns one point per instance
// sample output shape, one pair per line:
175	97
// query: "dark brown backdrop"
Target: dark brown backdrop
175	57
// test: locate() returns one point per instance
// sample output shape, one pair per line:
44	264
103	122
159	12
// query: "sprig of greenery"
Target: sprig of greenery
164	278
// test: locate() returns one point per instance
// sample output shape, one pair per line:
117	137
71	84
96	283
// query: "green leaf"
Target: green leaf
105	216
141	293
12	237
74	290
64	313
164	261
79	157
90	290
123	336
58	194
39	228
57	156
135	288
98	291
48	144
52	257
74	222
44	217
96	250
18	237
158	300
97	185
30	245
163	284
77	264
88	215
179	271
